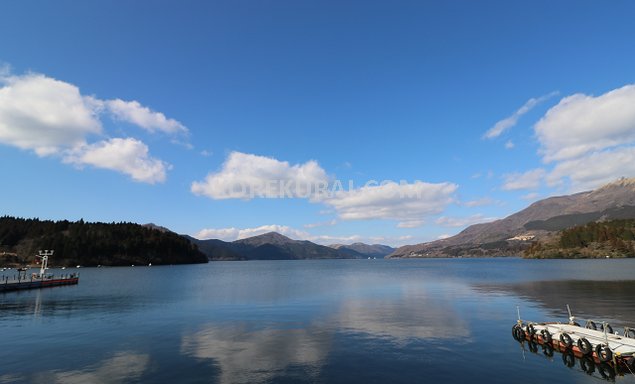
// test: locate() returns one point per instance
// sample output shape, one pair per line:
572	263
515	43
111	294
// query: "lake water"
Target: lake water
327	321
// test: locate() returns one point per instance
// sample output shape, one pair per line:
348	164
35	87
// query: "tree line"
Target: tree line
90	244
615	238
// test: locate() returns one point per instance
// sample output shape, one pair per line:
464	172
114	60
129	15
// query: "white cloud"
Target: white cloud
582	124
44	115
509	144
508	122
52	118
527	180
246	176
231	234
144	117
590	140
404	201
463	221
410	224
594	170
128	156
226	234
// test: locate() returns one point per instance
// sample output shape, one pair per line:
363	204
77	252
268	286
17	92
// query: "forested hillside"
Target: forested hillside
614	238
90	244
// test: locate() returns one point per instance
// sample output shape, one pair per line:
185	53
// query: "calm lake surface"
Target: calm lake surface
327	321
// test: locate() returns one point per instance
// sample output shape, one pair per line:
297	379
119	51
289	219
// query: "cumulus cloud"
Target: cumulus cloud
510	121
589	140
581	124
144	117
411	224
52	118
527	180
594	170
246	176
128	156
403	201
44	115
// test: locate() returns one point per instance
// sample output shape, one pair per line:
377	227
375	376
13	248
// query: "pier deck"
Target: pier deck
15	284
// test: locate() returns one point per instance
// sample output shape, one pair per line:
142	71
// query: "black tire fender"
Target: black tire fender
604	353
585	346
546	336
566	340
591	325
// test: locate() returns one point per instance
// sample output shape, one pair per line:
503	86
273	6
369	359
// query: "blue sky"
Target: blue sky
230	119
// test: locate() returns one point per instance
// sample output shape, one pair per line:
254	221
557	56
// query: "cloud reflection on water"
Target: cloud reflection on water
123	367
247	355
417	315
246	352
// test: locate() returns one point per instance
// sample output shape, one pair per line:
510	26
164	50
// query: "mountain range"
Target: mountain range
369	250
126	243
540	221
274	246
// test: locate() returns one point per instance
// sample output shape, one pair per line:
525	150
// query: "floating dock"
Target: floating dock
595	344
37	280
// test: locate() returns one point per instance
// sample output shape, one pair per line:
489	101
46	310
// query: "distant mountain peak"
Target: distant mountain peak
266	238
615	200
156	227
270	246
619	183
374	250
